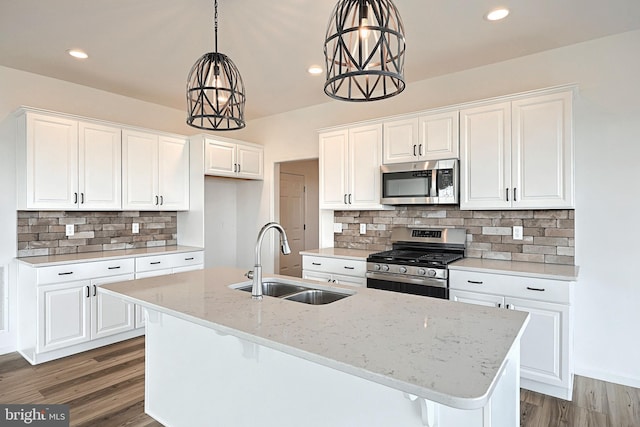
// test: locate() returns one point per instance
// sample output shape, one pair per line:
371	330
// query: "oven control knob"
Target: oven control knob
376	267
422	271
385	267
431	273
403	270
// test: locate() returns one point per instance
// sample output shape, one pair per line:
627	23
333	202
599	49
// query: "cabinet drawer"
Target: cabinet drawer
82	271
161	262
557	291
334	265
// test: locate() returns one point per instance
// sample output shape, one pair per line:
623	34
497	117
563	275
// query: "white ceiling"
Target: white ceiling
145	48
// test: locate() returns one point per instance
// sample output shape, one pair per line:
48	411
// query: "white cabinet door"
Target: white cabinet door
220	158
476	298
542	357
485	156
64	315
333	169
365	156
110	315
250	162
316	275
542	152
349	280
140	170
51	162
173	173
400	141
99	166
438	136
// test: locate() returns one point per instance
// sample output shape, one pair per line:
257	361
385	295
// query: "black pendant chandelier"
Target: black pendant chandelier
364	51
215	91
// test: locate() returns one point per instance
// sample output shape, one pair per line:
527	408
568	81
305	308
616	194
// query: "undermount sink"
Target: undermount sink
316	297
293	291
276	289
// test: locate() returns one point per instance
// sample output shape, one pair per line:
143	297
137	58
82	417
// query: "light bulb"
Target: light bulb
364	31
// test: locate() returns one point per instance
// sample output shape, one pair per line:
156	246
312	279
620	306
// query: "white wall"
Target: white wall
607	142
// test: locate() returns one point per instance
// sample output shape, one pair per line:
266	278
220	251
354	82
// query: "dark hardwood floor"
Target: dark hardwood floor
105	387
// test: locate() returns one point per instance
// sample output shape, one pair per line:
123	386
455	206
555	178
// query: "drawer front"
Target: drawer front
151	263
335	265
187	259
83	271
557	291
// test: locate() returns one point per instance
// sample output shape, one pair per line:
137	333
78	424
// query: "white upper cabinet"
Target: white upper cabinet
421	138
350	162
233	159
100	166
67	164
518	154
155	171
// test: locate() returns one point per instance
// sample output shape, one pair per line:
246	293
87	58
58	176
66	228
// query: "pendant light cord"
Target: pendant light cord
215	23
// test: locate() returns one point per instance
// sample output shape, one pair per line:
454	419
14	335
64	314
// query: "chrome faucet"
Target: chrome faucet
256	274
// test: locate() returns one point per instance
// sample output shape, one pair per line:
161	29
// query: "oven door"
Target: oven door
425	286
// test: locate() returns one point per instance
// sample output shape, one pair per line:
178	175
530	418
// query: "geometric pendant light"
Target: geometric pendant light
364	51
215	91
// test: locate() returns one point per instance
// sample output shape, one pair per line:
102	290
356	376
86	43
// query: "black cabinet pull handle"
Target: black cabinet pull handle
414	149
535	289
506	191
82	198
499	305
475	282
155	263
316	263
65	273
162	200
88	291
189	259
156	200
345	199
113	268
349	198
420	149
239	168
95	290
349	268
515	199
75	198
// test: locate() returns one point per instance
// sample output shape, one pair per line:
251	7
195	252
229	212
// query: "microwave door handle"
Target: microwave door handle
434	184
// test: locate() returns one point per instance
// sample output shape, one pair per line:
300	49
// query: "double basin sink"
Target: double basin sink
294	291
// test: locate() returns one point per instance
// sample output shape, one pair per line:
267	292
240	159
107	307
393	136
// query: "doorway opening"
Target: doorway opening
297	210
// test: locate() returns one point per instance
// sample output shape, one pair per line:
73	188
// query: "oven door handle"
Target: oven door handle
425	281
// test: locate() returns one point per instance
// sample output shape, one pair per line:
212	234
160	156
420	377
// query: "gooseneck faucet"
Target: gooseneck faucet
256	274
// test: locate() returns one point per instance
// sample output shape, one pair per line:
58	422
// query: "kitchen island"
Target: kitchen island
214	356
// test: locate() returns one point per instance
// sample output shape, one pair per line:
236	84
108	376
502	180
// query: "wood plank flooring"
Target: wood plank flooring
105	388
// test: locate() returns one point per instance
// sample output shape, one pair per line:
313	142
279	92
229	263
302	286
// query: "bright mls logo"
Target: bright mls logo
34	415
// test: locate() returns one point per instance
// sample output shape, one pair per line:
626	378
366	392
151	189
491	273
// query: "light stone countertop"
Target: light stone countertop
517	268
50	260
354	254
448	352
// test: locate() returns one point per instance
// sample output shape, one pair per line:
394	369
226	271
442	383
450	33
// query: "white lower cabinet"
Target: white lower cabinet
547	344
335	270
71	315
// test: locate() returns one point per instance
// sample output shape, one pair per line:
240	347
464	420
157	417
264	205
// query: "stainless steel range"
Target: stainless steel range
417	264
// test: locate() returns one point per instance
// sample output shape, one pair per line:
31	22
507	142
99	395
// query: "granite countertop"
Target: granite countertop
355	254
49	260
451	353
518	268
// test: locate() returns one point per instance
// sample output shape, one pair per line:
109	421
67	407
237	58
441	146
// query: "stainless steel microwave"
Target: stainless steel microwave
420	183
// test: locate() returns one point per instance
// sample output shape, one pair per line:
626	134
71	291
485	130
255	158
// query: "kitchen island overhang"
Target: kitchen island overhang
445	353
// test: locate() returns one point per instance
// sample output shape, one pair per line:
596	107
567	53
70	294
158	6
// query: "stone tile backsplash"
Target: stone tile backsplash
43	232
548	234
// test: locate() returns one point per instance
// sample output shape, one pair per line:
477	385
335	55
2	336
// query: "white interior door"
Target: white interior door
292	199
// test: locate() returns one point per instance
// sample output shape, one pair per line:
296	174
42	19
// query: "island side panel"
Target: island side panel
197	376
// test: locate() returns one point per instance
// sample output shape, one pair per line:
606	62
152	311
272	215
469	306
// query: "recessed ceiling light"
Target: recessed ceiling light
315	70
497	14
77	53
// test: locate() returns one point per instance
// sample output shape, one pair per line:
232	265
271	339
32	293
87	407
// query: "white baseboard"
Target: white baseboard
608	377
